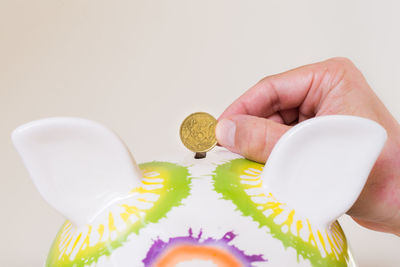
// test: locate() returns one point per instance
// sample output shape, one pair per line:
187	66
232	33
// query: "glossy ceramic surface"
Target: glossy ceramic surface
223	210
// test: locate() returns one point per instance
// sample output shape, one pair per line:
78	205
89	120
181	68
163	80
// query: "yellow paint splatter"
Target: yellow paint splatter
321	238
86	241
311	237
101	231
333	248
111	225
299	226
75	243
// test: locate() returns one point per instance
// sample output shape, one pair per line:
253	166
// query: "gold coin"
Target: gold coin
198	132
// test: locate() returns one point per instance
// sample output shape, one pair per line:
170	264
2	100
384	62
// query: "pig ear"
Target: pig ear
320	166
79	166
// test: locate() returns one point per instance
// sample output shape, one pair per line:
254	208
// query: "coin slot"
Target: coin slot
200	155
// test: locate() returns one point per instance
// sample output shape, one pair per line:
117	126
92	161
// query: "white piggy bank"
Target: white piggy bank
223	210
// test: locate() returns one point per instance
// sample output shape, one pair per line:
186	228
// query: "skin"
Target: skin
335	86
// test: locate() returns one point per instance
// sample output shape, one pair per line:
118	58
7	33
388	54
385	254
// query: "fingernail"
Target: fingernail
225	133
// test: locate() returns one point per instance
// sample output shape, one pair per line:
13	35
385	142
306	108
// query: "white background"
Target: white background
140	67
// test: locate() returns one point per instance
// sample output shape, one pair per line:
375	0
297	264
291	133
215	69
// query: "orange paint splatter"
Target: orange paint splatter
190	252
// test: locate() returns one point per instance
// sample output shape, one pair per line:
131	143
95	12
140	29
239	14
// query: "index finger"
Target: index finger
278	92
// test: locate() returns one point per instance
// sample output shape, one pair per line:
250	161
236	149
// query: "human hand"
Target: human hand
253	124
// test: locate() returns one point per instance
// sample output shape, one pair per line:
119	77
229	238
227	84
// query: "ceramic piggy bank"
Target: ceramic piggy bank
222	210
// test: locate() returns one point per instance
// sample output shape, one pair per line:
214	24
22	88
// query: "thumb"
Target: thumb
250	136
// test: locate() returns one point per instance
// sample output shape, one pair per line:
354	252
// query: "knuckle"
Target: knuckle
341	62
342	70
262	80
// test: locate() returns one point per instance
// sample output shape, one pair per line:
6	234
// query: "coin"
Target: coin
198	132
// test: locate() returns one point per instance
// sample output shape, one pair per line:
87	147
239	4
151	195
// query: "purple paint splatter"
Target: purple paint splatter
159	247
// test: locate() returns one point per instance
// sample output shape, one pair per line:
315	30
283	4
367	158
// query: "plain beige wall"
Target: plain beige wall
140	67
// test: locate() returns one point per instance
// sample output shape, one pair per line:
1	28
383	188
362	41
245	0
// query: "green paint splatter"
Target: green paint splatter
227	182
176	188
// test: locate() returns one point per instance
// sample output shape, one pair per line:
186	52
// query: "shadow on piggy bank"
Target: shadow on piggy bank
223	210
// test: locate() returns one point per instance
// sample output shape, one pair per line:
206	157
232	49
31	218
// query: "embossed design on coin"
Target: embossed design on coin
198	132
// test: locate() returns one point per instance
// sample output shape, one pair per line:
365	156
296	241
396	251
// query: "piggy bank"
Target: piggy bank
222	210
